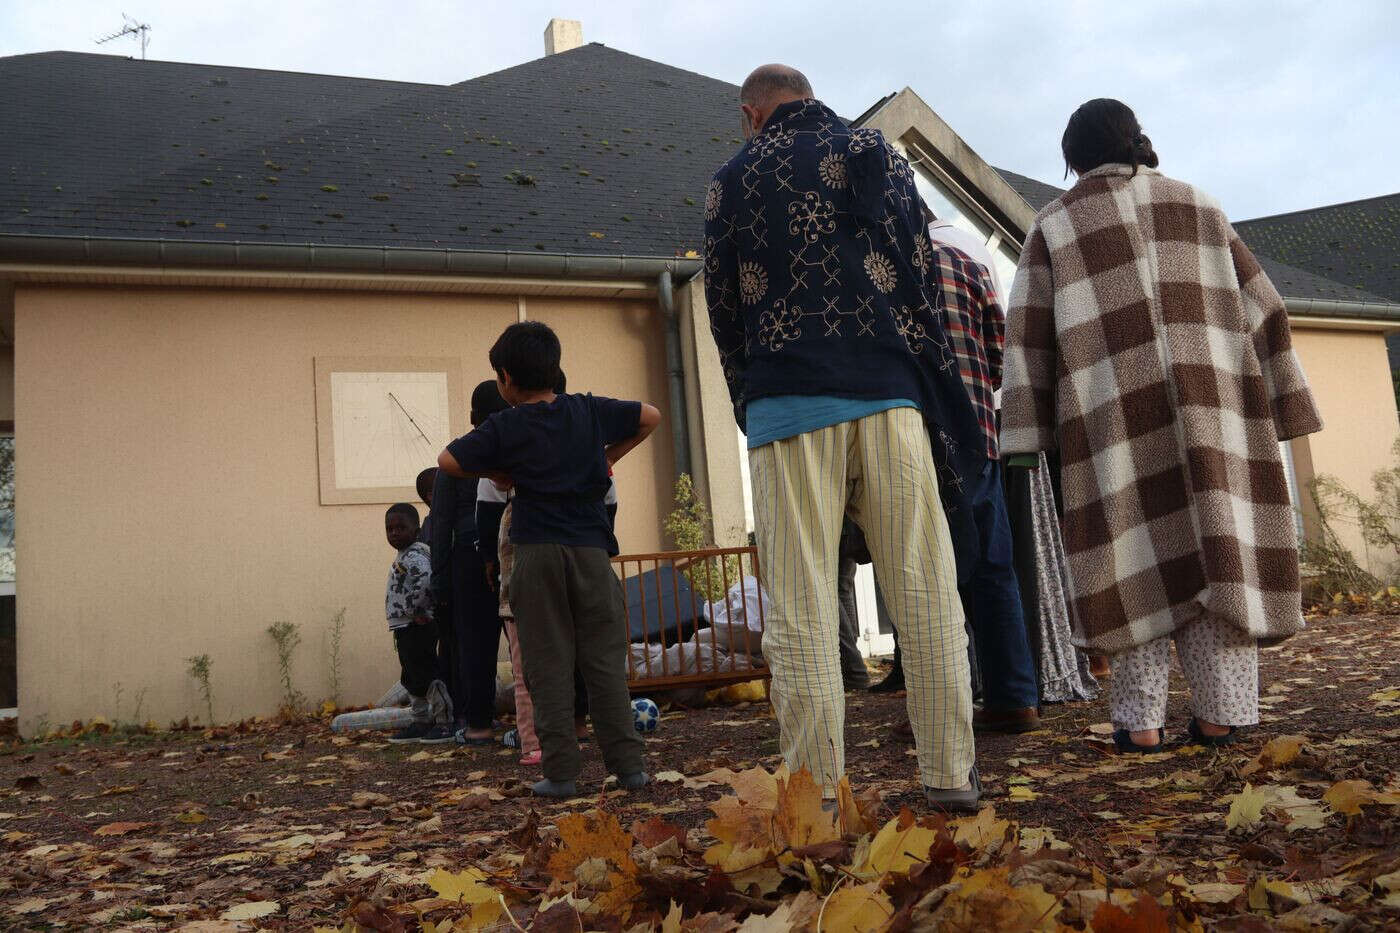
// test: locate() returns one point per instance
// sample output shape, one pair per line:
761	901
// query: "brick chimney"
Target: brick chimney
561	35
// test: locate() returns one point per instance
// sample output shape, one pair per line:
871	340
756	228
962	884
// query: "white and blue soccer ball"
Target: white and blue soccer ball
645	716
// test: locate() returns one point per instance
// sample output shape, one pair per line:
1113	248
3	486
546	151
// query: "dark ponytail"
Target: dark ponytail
1103	131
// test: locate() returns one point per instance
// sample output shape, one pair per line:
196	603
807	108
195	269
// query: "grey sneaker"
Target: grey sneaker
437	735
561	789
960	800
634	781
413	732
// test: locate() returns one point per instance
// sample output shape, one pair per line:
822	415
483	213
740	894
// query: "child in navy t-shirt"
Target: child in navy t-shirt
556	451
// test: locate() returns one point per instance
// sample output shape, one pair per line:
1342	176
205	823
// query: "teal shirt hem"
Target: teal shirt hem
778	417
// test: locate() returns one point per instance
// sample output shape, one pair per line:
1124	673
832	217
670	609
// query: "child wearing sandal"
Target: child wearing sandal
555	450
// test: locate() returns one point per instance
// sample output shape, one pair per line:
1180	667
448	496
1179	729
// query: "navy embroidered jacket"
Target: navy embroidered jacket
817	276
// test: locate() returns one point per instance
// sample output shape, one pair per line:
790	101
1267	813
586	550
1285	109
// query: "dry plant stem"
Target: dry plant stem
822	913
201	669
337	639
287	638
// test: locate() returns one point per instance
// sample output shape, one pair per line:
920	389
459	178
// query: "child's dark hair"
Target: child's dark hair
405	509
530	352
561	385
486	401
424	485
1105	130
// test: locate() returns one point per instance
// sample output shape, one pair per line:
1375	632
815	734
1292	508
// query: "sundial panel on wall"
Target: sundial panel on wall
380	421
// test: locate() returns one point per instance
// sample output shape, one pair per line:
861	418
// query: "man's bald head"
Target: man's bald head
766	89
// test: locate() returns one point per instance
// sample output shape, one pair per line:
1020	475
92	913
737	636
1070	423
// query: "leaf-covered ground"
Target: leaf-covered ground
291	827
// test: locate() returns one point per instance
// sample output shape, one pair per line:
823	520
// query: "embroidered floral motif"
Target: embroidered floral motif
714	195
833	170
811	217
923	253
911	330
778	325
753	282
769	143
881	271
864	139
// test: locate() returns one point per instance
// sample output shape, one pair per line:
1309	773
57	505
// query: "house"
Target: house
242	308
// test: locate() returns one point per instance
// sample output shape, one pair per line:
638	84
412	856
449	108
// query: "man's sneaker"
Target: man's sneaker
413	732
437	735
959	799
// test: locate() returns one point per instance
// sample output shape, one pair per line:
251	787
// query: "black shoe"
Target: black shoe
1123	739
413	732
437	735
893	683
1193	729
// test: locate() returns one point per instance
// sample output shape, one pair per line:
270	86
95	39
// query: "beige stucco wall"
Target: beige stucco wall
714	441
1350	378
167	486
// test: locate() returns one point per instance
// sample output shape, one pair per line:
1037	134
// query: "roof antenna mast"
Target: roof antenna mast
140	31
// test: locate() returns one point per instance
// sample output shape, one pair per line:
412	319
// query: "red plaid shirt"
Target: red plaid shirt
976	328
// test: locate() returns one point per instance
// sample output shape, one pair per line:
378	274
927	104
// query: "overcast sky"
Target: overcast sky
1270	105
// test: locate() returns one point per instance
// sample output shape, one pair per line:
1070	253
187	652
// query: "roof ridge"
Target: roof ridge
271	71
596	45
1320	207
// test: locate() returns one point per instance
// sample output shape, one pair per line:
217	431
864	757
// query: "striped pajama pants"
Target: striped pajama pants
879	470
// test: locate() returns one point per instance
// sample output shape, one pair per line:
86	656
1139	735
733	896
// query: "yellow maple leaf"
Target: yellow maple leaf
1276	753
1347	797
1246	808
671	923
986	900
980	831
584	837
799	817
1144	916
756	788
465	887
251	911
897	847
1259	894
860	909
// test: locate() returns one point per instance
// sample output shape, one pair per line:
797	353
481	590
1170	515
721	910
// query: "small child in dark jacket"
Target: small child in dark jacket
556	451
408	608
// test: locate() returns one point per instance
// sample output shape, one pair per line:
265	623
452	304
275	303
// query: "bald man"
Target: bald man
830	331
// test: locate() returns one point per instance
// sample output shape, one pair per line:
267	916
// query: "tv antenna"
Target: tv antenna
130	27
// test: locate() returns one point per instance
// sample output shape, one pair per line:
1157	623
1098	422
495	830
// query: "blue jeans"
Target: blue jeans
991	598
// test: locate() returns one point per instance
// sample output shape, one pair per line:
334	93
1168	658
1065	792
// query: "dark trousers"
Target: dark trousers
569	613
418	659
1016	485
854	674
471	641
991	599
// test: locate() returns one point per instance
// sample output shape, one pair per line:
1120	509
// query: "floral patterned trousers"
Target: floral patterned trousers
1221	665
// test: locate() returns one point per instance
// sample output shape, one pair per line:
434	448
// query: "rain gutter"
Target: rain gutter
312	257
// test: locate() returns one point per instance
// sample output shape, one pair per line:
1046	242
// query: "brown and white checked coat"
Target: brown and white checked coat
1145	342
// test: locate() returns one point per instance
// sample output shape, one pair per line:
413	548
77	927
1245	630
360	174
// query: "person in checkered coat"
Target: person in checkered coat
1146	344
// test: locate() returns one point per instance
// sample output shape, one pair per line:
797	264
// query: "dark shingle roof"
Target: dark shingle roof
1293	280
1357	243
1300	283
1036	193
605	152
